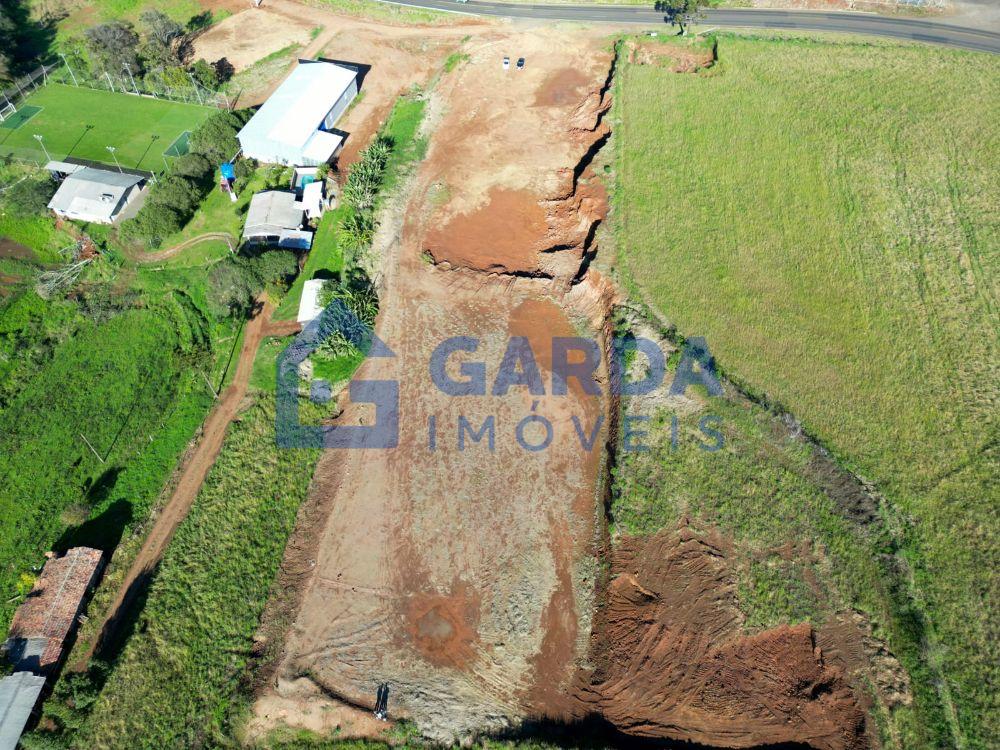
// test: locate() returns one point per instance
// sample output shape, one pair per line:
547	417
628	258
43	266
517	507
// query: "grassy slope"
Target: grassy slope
117	383
178	679
823	213
128	123
173	683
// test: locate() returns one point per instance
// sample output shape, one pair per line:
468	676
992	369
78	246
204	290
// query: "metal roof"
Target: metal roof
94	193
272	212
309	306
18	694
298	106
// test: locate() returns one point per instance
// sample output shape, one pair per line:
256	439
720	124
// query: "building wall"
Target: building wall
342	104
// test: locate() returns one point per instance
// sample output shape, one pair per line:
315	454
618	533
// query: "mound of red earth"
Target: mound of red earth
672	660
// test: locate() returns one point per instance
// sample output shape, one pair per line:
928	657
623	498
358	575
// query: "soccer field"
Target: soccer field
83	122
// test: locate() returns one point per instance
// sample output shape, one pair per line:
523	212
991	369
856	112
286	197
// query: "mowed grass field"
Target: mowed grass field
83	122
826	214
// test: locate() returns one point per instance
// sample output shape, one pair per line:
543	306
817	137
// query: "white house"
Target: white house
293	126
275	217
96	195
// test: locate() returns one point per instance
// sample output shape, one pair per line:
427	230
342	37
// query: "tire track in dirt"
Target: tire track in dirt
162	255
188	480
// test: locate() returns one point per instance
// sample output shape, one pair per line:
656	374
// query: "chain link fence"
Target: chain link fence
154	84
15	101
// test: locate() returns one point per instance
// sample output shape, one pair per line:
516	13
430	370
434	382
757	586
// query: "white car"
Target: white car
506	63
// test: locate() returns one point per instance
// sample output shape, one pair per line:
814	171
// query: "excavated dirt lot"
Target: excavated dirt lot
470	580
465	578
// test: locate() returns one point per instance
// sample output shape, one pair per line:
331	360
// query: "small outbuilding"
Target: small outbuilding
309	304
100	196
18	696
275	217
294	126
51	610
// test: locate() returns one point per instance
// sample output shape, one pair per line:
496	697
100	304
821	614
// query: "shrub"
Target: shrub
29	197
153	223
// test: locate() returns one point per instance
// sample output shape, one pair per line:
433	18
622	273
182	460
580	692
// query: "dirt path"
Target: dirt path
170	252
192	474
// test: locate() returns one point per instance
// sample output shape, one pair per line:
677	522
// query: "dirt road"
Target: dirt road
191	475
400	55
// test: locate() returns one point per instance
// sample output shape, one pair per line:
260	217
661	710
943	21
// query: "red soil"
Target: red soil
673	660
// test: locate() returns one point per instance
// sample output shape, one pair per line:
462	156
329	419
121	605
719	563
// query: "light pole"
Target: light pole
70	69
131	78
112	149
41	143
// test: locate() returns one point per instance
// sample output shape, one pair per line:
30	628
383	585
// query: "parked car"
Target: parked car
520	63
506	63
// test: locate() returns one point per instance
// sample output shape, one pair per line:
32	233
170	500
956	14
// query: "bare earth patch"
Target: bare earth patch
251	35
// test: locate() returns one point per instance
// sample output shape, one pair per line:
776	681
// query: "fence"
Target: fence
153	84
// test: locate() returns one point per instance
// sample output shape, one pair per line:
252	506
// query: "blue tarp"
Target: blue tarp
227	171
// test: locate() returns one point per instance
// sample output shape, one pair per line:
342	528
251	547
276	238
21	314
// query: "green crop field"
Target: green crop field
83	122
825	214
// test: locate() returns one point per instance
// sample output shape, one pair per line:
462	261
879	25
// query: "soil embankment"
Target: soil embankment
672	659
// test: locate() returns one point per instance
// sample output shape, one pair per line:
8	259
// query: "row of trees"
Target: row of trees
158	53
174	199
357	228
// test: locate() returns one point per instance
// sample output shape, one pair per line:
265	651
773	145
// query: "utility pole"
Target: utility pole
211	387
70	69
112	150
41	142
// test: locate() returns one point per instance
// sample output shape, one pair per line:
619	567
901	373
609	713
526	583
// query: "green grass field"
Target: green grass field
83	122
825	214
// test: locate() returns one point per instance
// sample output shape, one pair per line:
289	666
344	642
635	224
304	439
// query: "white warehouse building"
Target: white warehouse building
293	125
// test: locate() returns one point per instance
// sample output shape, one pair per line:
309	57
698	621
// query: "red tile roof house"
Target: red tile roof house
50	612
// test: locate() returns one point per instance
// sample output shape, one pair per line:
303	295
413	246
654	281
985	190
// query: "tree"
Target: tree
681	12
164	40
176	193
154	222
7	42
112	46
216	137
76	50
193	167
205	74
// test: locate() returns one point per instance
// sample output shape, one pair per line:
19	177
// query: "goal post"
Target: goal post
6	108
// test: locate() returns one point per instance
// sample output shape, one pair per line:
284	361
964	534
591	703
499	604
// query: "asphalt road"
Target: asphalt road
908	29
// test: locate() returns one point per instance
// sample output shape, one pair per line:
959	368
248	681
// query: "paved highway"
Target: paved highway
896	27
